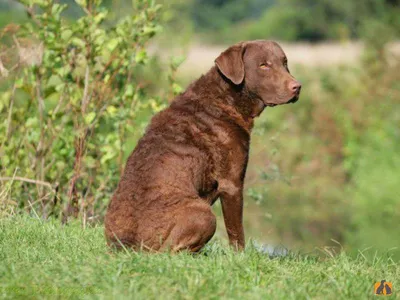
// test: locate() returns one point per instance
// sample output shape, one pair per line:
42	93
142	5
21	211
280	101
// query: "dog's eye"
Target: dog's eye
265	66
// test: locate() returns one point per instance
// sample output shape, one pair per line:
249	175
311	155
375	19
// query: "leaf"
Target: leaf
109	154
151	30
112	44
141	56
100	17
112	110
19	82
81	3
176	88
78	42
4	99
66	34
90	117
57	9
54	80
176	61
90	162
129	90
106	78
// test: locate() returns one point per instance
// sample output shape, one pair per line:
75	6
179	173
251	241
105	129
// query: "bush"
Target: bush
70	101
372	154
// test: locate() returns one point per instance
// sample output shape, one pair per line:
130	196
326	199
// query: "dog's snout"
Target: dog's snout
295	86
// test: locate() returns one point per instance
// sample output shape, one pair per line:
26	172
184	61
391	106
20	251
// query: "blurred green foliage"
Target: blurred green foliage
292	20
71	94
320	20
234	20
210	15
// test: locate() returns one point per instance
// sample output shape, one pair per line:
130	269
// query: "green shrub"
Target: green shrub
71	100
372	156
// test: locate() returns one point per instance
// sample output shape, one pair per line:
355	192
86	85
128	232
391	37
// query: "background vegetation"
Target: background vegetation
290	20
79	83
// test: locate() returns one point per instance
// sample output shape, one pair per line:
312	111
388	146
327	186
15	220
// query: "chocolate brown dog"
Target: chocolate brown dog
196	151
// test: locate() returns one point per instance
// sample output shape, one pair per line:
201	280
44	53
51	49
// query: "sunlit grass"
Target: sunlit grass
48	260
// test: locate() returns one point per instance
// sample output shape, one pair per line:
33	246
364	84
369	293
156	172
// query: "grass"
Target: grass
43	259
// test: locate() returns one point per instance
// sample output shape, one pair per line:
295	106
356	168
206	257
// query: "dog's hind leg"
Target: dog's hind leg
194	226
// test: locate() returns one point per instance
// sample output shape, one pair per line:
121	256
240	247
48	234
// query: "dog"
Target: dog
196	151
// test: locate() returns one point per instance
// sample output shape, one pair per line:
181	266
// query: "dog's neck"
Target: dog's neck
238	103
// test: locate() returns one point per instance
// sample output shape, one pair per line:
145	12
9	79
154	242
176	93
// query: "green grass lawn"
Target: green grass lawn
43	259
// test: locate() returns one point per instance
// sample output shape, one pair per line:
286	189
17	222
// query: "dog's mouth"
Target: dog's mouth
294	99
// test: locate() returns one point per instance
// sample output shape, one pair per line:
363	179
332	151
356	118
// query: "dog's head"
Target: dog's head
261	67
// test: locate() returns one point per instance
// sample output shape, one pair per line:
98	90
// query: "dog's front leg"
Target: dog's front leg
232	209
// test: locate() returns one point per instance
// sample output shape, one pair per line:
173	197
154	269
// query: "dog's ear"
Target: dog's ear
230	63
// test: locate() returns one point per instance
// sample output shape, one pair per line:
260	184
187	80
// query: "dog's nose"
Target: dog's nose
295	86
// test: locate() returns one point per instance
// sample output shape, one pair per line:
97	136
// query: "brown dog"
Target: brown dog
196	151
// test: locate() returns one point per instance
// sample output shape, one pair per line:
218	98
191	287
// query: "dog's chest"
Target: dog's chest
232	158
